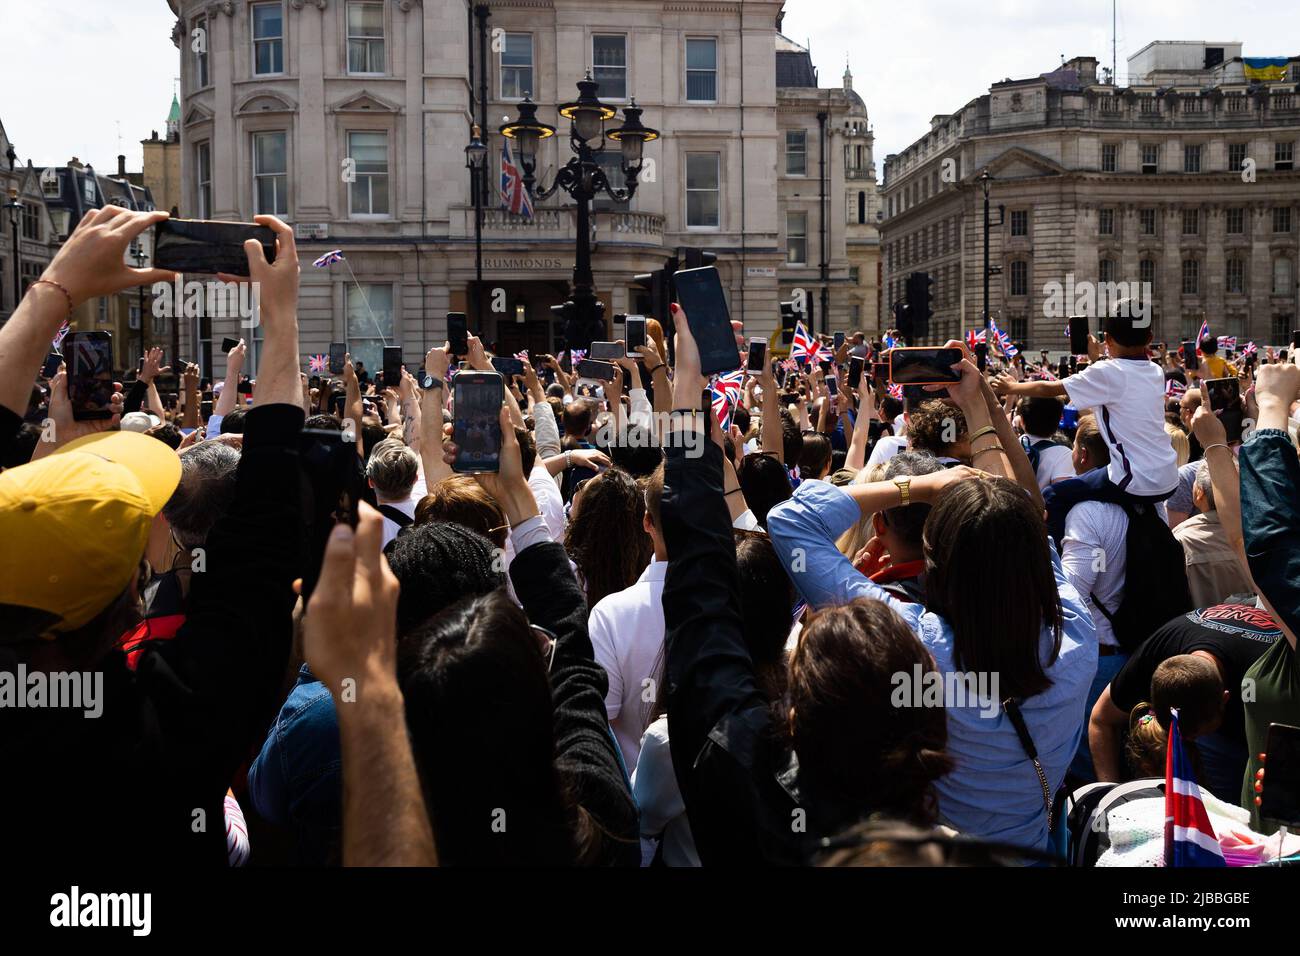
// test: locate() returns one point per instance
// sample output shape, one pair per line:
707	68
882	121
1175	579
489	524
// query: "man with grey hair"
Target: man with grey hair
895	555
1214	570
392	471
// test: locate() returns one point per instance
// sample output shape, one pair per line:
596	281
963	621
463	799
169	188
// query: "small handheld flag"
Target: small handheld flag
1202	335
318	363
804	347
1189	836
331	257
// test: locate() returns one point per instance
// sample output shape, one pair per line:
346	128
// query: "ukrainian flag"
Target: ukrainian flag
1266	69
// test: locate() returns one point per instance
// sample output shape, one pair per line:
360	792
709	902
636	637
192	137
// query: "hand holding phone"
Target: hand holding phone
89	360
458	333
924	366
476	431
700	296
208	247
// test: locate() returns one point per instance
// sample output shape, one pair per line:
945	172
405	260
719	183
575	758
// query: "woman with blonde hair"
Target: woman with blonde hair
1182	446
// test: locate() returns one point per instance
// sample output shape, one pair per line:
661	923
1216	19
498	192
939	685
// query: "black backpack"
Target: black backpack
1035	449
395	516
1155	578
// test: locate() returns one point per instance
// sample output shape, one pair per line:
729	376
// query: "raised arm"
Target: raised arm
770	439
857	456
436	363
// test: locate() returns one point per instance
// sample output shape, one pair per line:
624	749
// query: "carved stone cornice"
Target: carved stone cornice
222	6
299	4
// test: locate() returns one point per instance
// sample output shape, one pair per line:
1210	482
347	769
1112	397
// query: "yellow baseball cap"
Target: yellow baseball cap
75	524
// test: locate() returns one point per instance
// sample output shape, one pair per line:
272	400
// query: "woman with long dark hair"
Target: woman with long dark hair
604	538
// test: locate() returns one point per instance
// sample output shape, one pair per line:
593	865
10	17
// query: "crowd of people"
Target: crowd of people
821	623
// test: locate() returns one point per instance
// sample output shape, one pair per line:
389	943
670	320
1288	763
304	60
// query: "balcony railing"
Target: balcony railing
622	226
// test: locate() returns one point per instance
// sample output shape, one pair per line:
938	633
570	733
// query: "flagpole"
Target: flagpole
365	300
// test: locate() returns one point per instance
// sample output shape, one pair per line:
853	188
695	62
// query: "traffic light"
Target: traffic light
919	303
903	320
657	285
788	319
692	258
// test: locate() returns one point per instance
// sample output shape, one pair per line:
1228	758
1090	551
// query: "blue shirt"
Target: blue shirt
993	790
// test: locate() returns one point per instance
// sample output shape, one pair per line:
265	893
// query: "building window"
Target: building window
365	38
1191	277
1019	222
268	38
1192	159
368	195
31	221
517	66
1236	224
1106	270
1236	156
703	189
609	65
855	275
1147	221
701	70
1109	157
1106	222
1019	277
200	55
369	322
1236	281
270	174
1018	328
862	207
1191	222
133	315
796	238
1150	158
796	152
203	179
1284	156
1283	283
1147	272
1281	218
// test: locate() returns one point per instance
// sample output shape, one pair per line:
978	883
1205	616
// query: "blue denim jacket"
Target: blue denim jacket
1270	520
297	780
993	791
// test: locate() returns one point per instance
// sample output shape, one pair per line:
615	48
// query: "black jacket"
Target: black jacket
145	782
742	788
586	754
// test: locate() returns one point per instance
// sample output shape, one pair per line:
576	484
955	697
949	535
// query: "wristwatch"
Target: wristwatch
429	381
904	491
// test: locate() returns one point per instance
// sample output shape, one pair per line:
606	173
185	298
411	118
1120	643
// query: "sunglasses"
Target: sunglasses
551	641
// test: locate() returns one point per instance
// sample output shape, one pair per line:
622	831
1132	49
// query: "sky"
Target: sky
92	79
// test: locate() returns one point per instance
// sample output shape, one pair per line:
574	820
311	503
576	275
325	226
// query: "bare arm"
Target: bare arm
1105	733
770	439
436	363
857	456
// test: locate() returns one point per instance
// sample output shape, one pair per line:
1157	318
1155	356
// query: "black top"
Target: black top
145	782
586	754
1236	634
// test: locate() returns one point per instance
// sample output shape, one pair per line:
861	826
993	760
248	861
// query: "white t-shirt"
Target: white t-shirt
406	507
1128	397
627	639
1094	555
887	446
1055	461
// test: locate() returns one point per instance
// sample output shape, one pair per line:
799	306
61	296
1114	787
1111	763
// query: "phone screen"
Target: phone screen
634	331
600	371
839	340
856	363
757	355
51	366
1281	797
699	293
1295	338
507	366
918	366
477	431
207	247
832	387
89	358
1190	359
1079	334
227	344
1063	368
606	351
392	366
337	351
880	374
1225	401
458	333
329	463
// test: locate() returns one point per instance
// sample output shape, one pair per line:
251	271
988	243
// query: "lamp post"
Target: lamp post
475	161
15	209
984	180
583	178
140	257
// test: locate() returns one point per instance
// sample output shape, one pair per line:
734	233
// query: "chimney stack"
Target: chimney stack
121	165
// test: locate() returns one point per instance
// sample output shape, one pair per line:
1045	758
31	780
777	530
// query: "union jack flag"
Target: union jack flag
1250	348
790	365
895	391
1202	335
318	363
514	194
974	338
1189	835
730	384
1175	389
722	408
522	355
576	356
1003	340
1228	342
64	329
804	348
331	257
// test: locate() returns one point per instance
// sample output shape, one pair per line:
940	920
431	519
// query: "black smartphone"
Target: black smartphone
458	333
507	366
1191	360
605	351
1224	395
51	366
245	387
227	344
392	366
89	358
856	364
1079	334
600	371
924	366
832	386
205	410
337	352
699	293
1063	368
477	398
825	366
634	333
757	355
1280	799
839	340
207	247
331	469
